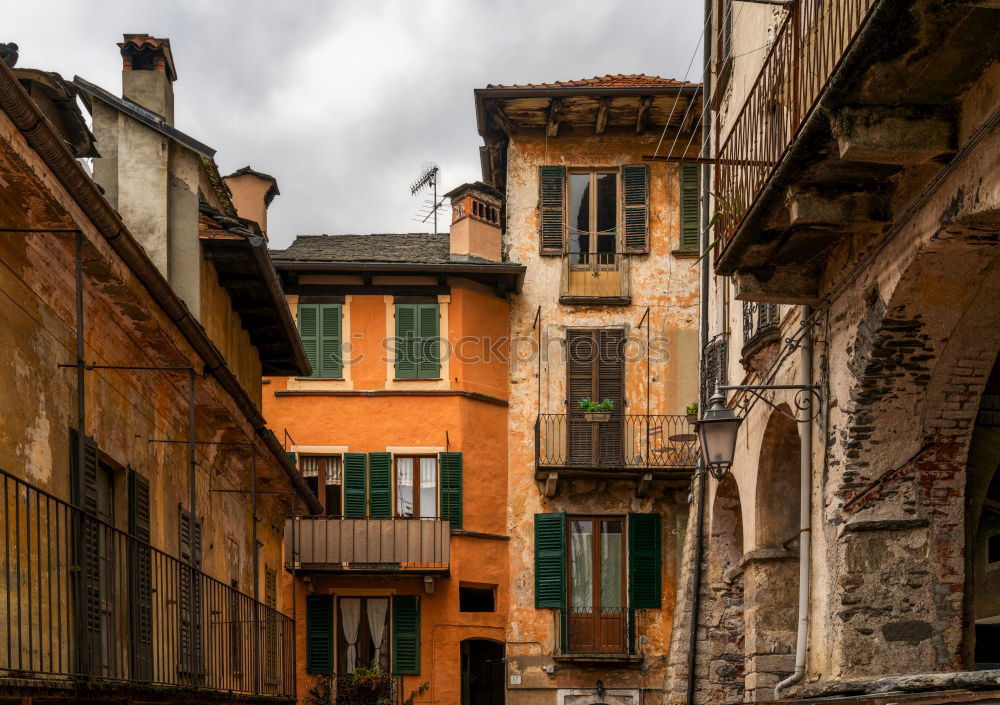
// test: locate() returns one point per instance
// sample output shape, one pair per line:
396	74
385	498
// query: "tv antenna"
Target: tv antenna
430	173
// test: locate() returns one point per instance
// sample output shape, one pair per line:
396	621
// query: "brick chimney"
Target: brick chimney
475	222
148	73
252	193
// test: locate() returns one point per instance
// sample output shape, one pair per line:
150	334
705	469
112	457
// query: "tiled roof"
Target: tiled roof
618	80
408	248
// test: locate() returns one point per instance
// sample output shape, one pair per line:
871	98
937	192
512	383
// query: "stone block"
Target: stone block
896	136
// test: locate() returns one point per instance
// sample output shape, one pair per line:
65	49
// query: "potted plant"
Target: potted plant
596	411
692	413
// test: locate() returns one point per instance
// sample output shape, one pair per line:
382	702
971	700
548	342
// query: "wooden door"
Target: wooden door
595	370
597	617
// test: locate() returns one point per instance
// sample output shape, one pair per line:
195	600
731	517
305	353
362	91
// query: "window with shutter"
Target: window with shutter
406	635
271	626
550	560
355	485
319	634
140	571
644	560
635	185
551	206
87	542
595	371
689	207
451	488
417	344
380	485
321	334
189	598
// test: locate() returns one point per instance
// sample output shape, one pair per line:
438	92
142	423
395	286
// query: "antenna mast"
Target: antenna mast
429	175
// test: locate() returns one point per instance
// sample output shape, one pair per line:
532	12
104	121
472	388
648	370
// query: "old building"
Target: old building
603	367
142	496
401	430
855	208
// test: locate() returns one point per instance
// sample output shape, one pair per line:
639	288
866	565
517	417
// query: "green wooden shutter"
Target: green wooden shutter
293	456
635	185
86	552
450	488
309	333
689	201
550	560
644	571
406	341
140	576
428	345
380	485
406	635
330	358
319	634
355	486
551	205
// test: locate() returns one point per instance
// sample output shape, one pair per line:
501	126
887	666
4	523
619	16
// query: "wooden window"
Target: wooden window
324	475
451	488
140	560
416	486
319	634
380	485
361	613
236	627
635	185
592	217
417	345
552	209
690	186
355	485
320	330
596	556
406	635
189	596
271	626
595	371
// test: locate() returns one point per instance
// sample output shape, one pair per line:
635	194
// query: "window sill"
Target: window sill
417	379
685	254
599	658
595	300
319	379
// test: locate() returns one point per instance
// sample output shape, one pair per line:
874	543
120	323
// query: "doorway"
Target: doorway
482	672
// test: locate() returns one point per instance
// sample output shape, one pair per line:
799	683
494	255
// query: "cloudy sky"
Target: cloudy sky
343	101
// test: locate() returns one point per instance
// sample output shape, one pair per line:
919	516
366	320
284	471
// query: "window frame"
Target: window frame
319	306
592	234
338	631
322	481
416	484
596	520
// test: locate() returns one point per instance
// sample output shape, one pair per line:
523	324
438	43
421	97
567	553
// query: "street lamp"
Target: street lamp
717	432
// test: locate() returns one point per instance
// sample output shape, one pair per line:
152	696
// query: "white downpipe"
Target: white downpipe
805	507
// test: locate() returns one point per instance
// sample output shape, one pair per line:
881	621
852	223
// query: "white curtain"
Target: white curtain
377	608
310	466
334	474
582	562
611	567
350	618
404	487
428	488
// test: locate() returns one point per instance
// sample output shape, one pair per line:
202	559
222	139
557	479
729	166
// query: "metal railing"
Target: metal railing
621	442
335	543
607	631
595	275
807	49
375	688
759	319
82	599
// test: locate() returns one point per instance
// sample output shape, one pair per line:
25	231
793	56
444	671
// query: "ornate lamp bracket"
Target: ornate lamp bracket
805	394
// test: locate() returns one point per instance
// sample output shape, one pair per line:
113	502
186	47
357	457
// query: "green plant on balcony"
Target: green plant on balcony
691	411
596	410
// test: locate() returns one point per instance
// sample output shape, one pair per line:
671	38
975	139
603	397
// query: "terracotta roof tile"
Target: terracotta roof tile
618	80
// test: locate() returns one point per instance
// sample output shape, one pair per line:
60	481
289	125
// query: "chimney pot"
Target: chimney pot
475	222
148	73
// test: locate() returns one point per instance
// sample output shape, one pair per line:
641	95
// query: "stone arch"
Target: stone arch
771	569
919	361
722	597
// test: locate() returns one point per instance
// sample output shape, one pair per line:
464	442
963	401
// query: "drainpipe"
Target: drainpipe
805	508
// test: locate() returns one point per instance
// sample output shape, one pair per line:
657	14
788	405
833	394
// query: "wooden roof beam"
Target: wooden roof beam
642	119
555	112
602	116
691	116
501	120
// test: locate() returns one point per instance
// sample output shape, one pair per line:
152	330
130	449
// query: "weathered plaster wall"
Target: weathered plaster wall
663	283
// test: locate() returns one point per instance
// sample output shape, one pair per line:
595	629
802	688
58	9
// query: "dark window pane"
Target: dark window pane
313	483
606	246
333	507
579	243
607	203
472	599
579	203
993	549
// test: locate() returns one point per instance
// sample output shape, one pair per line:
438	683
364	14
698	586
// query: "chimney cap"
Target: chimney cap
248	170
483	188
156	47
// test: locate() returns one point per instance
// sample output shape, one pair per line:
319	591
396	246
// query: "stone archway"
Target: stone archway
723	598
771	568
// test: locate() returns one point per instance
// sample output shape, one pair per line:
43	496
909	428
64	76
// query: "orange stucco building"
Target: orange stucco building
402	431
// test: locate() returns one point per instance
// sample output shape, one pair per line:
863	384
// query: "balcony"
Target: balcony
595	278
85	605
606	636
329	544
843	111
618	447
761	328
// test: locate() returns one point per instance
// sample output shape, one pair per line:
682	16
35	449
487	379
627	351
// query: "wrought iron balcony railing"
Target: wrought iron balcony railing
760	320
617	442
808	46
339	544
607	631
80	599
595	276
